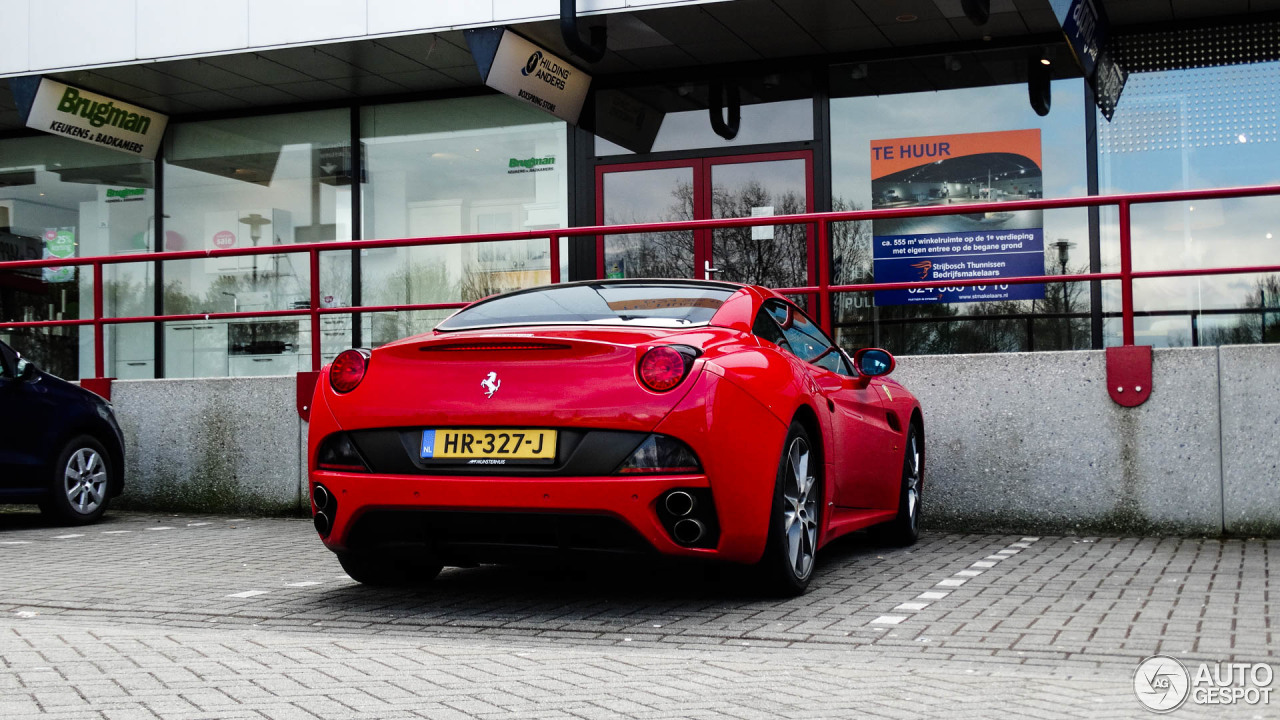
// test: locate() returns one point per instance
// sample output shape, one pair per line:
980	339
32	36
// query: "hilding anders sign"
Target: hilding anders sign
96	119
529	73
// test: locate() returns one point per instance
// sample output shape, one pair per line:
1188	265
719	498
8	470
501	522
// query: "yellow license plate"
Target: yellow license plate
488	444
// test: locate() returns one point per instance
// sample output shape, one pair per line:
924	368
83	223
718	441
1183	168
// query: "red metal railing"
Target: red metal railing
822	290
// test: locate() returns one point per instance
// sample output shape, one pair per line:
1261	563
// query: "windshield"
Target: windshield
651	305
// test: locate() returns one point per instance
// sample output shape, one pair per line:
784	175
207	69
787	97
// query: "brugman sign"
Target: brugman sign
96	119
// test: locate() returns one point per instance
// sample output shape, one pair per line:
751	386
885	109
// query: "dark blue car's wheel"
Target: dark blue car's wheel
78	490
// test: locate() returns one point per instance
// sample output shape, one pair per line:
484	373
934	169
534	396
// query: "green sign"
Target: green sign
59	243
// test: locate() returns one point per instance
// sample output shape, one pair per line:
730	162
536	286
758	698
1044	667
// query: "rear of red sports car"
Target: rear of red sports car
583	417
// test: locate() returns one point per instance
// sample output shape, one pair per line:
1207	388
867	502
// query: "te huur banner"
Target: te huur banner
96	119
959	170
536	77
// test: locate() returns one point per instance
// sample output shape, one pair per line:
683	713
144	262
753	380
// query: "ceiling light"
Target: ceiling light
1045	61
908	17
859	71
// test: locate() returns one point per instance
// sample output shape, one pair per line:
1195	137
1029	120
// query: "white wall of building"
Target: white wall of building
42	36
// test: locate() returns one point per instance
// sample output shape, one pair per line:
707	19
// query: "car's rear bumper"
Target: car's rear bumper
363	502
737	439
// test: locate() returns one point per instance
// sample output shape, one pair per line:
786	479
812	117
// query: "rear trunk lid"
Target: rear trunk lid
533	377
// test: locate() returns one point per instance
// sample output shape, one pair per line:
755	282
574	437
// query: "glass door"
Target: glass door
646	193
702	188
777	256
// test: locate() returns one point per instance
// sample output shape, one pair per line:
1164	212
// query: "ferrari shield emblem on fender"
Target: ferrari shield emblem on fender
491	384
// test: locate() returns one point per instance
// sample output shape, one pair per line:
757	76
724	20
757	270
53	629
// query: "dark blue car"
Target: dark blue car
60	445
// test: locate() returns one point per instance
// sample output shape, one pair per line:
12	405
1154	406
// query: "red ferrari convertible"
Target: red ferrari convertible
688	418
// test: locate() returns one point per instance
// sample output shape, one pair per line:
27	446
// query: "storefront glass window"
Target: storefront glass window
1013	154
63	198
775	108
457	167
274	180
1181	127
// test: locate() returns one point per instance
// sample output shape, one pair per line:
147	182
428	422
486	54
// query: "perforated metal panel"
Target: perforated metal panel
1197	88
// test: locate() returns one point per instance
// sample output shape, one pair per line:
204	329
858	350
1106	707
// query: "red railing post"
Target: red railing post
314	255
827	314
1126	273
555	258
99	342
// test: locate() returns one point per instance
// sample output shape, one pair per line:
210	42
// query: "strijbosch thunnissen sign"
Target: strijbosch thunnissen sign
89	117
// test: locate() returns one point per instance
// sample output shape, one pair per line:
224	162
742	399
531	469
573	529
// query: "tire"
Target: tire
388	569
791	551
904	530
80	484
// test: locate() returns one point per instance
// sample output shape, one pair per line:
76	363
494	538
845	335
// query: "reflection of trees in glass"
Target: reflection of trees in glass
660	254
1250	328
420	282
780	261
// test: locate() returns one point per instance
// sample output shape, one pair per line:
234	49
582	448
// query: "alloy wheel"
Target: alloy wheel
85	481
800	510
913	480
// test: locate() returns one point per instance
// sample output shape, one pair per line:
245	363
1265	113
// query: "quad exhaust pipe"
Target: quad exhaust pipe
680	503
688	531
320	496
323	523
326	510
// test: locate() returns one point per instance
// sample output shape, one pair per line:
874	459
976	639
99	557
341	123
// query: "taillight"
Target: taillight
660	454
663	367
348	370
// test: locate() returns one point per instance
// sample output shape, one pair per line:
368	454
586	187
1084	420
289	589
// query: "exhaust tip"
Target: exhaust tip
320	496
687	531
680	503
323	524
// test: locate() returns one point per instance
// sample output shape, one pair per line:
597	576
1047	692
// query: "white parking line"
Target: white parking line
249	593
15	542
959	578
159	528
116	532
888	619
198	524
307	583
67	537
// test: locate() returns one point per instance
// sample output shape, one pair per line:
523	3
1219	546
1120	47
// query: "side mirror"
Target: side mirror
26	370
873	362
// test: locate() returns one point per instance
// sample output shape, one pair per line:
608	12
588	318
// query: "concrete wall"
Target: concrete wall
211	445
1024	441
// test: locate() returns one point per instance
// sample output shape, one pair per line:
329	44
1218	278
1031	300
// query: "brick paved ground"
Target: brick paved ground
150	616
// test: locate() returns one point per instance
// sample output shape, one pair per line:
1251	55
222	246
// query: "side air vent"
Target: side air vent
485	347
